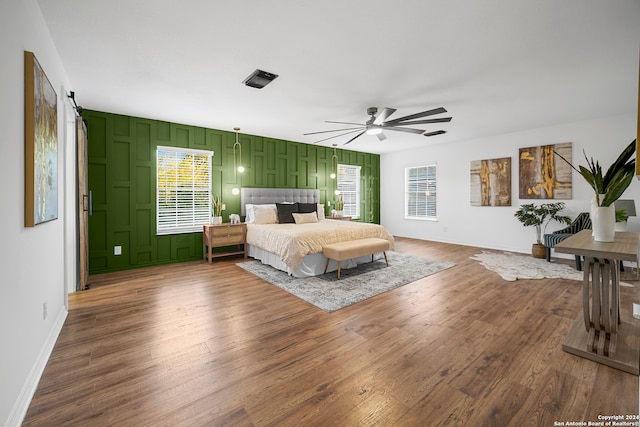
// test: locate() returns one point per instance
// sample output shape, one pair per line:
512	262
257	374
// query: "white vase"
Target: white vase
592	211
216	220
604	223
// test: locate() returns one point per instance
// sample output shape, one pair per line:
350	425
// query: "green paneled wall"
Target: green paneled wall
122	175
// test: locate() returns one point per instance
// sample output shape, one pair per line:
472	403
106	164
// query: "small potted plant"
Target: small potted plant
339	205
216	209
540	216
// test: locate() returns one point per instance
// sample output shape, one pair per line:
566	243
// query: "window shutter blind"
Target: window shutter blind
349	187
183	190
420	192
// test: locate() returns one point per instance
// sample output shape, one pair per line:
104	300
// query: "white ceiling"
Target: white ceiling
498	66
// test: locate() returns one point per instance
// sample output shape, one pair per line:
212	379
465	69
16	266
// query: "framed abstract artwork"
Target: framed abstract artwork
491	182
41	145
542	174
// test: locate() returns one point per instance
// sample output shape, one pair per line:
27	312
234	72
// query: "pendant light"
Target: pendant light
237	162
334	163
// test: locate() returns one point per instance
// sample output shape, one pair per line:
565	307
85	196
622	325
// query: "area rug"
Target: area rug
355	284
512	267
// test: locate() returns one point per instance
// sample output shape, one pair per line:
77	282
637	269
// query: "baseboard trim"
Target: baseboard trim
21	406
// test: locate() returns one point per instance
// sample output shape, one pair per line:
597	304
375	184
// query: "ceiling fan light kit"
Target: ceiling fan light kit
375	125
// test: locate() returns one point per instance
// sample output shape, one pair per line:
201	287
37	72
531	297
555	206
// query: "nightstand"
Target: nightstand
221	235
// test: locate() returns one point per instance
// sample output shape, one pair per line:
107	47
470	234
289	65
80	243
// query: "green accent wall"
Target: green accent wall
122	176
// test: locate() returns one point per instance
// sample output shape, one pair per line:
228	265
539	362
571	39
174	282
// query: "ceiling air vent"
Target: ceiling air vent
259	79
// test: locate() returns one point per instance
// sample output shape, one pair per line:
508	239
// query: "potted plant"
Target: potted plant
621	220
540	216
216	209
608	188
339	205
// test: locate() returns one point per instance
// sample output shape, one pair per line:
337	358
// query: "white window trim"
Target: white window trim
199	215
406	193
356	214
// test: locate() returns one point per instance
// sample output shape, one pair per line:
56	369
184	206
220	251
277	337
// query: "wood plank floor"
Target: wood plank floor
195	344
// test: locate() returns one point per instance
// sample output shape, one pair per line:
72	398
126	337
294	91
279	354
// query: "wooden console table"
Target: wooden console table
599	333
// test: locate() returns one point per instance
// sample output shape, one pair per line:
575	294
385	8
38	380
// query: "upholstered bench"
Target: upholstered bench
353	249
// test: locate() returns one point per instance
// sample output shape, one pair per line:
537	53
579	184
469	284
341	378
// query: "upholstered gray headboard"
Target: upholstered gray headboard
261	196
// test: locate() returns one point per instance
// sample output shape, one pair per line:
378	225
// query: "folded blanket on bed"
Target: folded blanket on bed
292	242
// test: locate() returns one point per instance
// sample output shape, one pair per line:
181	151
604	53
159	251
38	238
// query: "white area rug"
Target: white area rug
512	267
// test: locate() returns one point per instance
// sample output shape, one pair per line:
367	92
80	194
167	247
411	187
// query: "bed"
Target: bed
295	246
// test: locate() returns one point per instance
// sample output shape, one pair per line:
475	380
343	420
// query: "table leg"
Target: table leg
596	289
601	305
585	293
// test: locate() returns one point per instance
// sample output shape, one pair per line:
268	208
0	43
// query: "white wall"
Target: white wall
496	227
31	259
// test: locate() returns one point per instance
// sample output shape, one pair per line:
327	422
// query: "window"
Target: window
183	181
420	192
349	187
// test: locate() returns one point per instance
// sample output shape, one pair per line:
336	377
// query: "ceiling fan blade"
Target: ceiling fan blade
344	123
361	133
434	133
423	122
381	136
408	130
418	115
334	130
336	136
383	116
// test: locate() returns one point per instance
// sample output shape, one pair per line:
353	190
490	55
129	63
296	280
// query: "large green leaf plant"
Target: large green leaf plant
615	181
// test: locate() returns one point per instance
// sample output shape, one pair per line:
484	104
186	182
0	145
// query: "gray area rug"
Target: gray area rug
511	266
355	284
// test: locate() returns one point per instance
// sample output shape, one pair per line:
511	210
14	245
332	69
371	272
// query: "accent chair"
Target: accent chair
581	222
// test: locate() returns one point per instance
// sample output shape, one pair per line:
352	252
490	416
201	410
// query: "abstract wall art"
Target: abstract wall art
491	182
41	145
542	174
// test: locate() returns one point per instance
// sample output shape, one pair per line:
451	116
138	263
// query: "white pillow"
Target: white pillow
248	208
305	218
320	211
265	214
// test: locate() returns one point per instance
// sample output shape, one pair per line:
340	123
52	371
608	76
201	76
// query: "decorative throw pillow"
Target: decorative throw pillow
285	211
305	218
265	214
307	207
250	217
320	211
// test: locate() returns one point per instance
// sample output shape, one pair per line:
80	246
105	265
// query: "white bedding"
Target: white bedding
291	243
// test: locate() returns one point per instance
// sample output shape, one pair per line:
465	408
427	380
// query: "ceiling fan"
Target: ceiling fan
377	124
